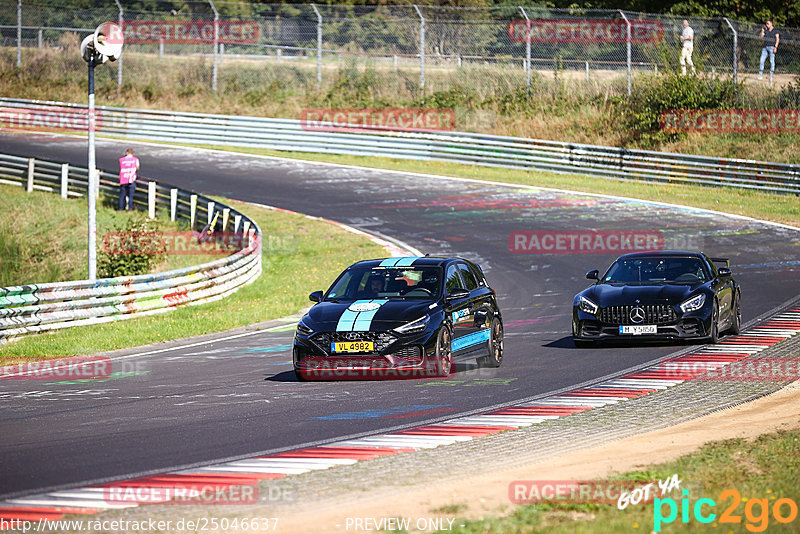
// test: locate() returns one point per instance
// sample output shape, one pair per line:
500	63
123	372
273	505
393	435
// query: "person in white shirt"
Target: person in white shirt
688	47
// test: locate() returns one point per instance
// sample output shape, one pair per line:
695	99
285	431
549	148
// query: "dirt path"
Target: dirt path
487	493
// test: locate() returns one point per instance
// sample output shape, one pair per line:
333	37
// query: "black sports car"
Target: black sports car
400	317
658	295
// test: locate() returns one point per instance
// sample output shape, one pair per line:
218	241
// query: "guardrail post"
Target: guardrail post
587	71
39	42
210	208
173	204
319	45
628	47
192	210
151	200
527	50
226	214
237	220
161	48
421	50
31	164
246	227
64	180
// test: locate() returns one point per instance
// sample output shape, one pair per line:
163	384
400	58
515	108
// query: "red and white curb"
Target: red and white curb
668	373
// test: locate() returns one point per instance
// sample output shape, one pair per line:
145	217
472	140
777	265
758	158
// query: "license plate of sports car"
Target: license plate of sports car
353	346
638	329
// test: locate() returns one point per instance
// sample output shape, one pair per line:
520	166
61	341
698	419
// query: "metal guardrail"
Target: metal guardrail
40	307
457	147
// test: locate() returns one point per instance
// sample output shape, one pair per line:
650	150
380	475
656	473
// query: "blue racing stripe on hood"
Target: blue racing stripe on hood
403	261
358	321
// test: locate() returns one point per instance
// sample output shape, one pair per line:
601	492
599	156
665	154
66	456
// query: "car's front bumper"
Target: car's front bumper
586	327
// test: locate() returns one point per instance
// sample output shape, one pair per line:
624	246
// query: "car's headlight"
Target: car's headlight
694	303
587	306
304	330
418	325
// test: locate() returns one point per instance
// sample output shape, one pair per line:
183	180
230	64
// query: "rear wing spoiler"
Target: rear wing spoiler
726	261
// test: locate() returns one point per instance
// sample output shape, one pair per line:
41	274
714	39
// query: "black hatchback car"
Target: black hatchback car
658	295
400	317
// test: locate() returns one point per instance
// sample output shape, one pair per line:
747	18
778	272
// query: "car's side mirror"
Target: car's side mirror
457	294
594	274
316	296
724	271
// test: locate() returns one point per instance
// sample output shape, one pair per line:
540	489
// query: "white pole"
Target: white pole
151	200
210	211
92	192
173	204
319	45
421	49
192	210
527	50
237	220
64	180
19	33
31	164
628	47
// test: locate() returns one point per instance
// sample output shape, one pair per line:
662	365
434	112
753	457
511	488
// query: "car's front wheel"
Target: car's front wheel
736	319
495	356
443	364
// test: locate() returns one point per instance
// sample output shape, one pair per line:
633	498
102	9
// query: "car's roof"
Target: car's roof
412	261
665	253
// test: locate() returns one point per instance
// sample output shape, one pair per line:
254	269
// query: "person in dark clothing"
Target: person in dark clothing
771	39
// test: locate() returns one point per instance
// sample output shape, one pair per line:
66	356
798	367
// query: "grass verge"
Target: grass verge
52	248
770	207
763	471
299	253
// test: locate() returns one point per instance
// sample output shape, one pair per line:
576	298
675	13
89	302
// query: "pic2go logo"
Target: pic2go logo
756	511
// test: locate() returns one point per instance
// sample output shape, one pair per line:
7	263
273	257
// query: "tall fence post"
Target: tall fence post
216	43
527	50
19	33
628	47
735	60
64	180
319	45
421	50
31	164
210	211
119	60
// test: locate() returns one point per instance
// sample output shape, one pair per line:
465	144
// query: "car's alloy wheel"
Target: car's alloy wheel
495	356
444	354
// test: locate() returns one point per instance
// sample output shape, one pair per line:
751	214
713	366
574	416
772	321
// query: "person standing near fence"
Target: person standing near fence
687	36
771	39
128	165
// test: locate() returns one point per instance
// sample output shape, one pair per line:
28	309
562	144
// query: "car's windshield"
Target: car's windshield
387	283
657	270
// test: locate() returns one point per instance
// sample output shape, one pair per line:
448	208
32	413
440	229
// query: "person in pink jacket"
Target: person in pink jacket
128	165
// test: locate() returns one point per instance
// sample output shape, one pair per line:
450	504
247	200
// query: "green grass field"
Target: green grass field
299	255
762	471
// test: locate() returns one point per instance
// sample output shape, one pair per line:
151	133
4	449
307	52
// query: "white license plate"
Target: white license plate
638	329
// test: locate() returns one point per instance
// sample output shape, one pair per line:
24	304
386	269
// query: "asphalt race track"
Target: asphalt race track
237	397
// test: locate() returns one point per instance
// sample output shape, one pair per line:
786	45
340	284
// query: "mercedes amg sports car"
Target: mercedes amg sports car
398	318
658	295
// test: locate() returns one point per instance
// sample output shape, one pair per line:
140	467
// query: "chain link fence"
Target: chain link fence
398	51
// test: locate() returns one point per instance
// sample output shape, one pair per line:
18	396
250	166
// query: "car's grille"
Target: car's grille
652	314
381	339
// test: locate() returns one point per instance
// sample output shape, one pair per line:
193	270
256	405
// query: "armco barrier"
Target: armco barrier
41	307
458	147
